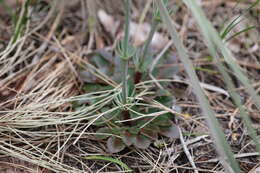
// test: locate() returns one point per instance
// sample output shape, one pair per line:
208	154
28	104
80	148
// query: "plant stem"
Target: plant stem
21	21
127	21
125	49
124	78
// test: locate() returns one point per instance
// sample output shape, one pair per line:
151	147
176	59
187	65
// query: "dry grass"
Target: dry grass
39	79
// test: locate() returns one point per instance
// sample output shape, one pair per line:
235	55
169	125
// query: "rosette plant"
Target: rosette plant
137	112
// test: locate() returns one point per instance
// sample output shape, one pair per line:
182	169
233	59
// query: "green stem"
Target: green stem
126	42
21	21
125	73
127	21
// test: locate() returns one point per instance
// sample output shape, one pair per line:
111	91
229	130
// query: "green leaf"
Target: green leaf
128	138
115	145
131	88
208	70
165	100
118	130
240	32
113	160
134	130
230	26
150	133
162	92
237	20
112	116
163	120
125	54
103	65
103	130
142	142
94	87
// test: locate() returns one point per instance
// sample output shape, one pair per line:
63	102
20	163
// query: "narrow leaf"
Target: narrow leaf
217	133
214	41
113	160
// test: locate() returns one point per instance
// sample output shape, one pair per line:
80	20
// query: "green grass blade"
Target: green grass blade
228	81
234	95
233	23
253	5
223	148
209	31
21	21
113	160
240	32
230	27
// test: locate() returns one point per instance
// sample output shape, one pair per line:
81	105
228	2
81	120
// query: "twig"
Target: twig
185	148
236	156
